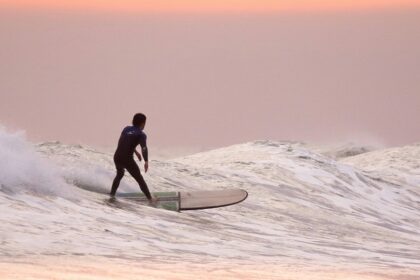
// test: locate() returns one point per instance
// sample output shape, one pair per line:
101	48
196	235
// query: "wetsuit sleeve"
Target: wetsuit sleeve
144	150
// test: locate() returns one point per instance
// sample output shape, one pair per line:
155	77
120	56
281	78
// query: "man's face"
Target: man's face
143	125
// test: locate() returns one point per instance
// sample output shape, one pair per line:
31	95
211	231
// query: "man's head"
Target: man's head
139	120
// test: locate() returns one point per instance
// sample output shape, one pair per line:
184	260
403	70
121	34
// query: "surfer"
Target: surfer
130	138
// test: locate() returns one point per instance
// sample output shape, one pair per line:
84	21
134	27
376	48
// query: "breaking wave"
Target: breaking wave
303	207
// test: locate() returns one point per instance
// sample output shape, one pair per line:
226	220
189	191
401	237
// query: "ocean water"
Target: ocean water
307	208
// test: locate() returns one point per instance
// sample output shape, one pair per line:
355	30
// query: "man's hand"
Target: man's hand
138	155
146	166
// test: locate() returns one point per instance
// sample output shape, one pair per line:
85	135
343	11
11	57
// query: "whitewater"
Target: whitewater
349	213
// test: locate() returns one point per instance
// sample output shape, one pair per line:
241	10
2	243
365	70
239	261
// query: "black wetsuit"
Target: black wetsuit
130	137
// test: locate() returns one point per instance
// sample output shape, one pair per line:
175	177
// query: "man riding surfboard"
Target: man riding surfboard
130	138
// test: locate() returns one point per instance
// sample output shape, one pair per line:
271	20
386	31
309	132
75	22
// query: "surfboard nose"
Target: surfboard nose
211	199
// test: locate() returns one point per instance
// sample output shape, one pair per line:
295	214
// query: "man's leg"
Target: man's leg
134	170
117	179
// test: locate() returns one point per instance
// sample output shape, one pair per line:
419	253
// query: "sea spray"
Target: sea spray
22	169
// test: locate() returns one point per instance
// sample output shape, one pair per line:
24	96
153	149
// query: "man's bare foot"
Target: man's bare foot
153	201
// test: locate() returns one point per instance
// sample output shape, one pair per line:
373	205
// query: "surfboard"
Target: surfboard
195	200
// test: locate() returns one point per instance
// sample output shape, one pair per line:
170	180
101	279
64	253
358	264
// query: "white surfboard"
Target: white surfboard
195	200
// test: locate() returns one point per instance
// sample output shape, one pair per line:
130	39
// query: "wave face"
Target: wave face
303	207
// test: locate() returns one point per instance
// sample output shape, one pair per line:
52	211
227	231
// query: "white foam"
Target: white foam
302	207
22	169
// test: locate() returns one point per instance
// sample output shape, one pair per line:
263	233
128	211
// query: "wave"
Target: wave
303	206
23	169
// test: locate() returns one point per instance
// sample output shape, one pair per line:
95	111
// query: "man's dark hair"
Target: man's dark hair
139	119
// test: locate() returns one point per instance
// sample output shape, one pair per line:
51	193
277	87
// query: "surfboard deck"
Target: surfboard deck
195	200
167	200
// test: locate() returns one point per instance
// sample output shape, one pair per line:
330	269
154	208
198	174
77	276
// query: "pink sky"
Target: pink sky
212	80
206	6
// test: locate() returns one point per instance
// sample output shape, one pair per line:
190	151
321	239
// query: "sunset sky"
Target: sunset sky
211	73
208	5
